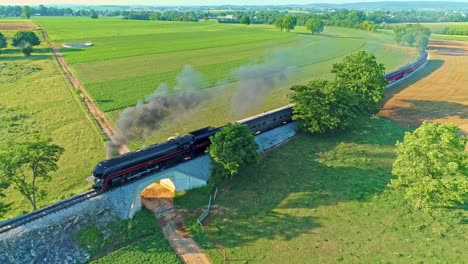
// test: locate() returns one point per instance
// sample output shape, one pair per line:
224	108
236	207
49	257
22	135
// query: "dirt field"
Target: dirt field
17	26
438	92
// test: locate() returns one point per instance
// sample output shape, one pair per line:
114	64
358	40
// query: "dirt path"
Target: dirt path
104	124
159	200
438	92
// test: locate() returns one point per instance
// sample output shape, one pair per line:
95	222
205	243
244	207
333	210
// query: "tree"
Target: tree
27	49
363	76
289	22
431	167
93	14
233	147
314	25
279	23
245	20
22	37
26	12
3	42
23	164
322	106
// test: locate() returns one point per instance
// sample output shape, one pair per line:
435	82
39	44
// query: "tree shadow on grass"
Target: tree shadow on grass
422	110
275	199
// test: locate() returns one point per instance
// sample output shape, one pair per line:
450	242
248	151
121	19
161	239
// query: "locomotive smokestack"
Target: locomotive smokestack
145	118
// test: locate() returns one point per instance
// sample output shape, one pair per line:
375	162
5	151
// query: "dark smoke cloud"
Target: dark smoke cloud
256	80
145	118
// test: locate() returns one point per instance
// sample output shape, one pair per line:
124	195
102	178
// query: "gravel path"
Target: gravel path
159	200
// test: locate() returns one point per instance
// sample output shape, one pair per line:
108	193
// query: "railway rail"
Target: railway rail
26	218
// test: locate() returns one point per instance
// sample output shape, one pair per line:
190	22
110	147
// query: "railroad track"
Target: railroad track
26	218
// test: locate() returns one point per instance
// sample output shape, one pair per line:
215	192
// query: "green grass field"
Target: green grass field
36	98
139	240
130	59
322	199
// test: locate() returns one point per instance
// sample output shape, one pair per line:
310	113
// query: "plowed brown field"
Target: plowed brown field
438	92
17	26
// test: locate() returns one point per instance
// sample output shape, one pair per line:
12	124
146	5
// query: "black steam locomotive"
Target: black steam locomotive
137	164
133	165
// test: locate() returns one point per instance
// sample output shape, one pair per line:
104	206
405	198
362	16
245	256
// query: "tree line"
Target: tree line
413	35
23	39
340	17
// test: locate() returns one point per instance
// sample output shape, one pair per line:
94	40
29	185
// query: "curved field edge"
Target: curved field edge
41	100
435	93
323	199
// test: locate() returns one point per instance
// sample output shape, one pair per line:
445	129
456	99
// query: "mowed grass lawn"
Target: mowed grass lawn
34	96
322	199
130	59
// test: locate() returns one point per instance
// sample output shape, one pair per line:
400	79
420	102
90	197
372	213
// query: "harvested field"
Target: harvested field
438	92
17	26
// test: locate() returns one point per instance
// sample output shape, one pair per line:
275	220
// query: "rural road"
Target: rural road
104	124
437	93
159	200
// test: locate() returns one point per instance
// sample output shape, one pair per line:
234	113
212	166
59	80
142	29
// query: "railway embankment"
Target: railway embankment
49	239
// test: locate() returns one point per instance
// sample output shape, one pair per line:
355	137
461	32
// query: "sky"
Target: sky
192	2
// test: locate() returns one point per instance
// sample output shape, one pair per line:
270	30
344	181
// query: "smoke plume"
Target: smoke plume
256	80
145	118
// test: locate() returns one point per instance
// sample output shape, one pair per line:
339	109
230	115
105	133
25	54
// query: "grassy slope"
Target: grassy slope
322	200
47	105
118	76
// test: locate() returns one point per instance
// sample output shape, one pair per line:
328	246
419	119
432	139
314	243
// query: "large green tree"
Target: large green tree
245	20
314	25
3	42
24	164
289	22
431	167
361	74
279	23
233	147
26	12
322	106
23	37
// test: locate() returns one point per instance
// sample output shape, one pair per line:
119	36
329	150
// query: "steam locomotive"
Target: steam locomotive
133	165
137	164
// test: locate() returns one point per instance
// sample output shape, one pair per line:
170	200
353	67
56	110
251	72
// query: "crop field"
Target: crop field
129	59
437	92
35	98
323	199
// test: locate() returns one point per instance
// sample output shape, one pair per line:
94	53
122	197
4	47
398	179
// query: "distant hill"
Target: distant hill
395	5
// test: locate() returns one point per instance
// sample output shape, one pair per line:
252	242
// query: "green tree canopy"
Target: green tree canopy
314	25
431	167
413	35
322	106
233	147
23	164
26	12
3	42
93	14
27	49
245	20
363	76
289	22
279	23
23	36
